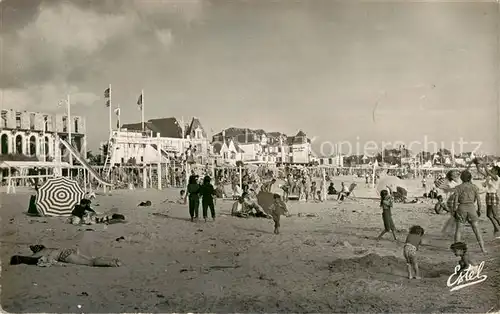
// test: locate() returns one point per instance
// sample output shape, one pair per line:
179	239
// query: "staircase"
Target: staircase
107	163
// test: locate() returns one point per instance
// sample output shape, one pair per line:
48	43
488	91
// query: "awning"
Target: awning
33	164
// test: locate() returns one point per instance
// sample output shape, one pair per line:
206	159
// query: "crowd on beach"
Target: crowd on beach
455	194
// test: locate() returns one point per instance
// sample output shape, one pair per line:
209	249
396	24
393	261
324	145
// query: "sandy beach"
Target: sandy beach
327	263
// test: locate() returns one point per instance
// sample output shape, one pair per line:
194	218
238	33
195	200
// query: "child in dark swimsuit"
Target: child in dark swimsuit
413	241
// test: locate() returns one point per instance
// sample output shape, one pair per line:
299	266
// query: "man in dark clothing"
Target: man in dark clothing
207	192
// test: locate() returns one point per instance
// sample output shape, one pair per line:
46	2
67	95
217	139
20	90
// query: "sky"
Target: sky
341	71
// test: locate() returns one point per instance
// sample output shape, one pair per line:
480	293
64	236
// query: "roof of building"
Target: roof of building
191	129
218	146
167	127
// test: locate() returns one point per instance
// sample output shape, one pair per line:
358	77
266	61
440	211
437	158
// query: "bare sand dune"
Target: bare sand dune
327	263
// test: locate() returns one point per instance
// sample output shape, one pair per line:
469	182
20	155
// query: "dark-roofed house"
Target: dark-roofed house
173	139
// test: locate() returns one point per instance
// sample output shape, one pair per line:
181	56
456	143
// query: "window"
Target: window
18	120
142	158
32	121
279	149
3	123
330	161
76	125
45	122
321	161
64	124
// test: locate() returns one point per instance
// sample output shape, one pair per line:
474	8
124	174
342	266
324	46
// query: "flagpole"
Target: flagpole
68	100
118	117
110	113
142	110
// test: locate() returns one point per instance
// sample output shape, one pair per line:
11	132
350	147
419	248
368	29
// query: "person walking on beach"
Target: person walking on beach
492	184
193	193
466	195
207	192
277	209
413	241
386	202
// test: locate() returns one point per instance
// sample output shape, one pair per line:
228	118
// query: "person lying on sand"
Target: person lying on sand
145	204
180	200
43	256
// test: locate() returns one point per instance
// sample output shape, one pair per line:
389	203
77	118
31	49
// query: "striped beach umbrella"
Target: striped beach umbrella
58	196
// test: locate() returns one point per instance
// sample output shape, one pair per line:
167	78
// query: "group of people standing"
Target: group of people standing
205	191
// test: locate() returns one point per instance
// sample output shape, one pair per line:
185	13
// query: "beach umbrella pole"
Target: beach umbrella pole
323	189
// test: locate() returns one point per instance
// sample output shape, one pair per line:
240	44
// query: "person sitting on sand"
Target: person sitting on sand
413	241
182	196
331	189
466	194
277	209
250	203
460	250
80	211
344	192
43	256
386	202
440	205
433	193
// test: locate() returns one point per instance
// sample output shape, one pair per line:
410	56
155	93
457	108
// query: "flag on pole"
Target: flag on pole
107	96
139	102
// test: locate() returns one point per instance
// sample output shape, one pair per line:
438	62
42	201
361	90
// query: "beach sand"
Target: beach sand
328	263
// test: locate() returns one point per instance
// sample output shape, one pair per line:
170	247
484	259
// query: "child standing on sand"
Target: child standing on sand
413	241
277	209
313	190
386	202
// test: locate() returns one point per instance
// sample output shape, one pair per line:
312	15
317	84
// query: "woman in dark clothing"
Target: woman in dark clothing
208	192
193	193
